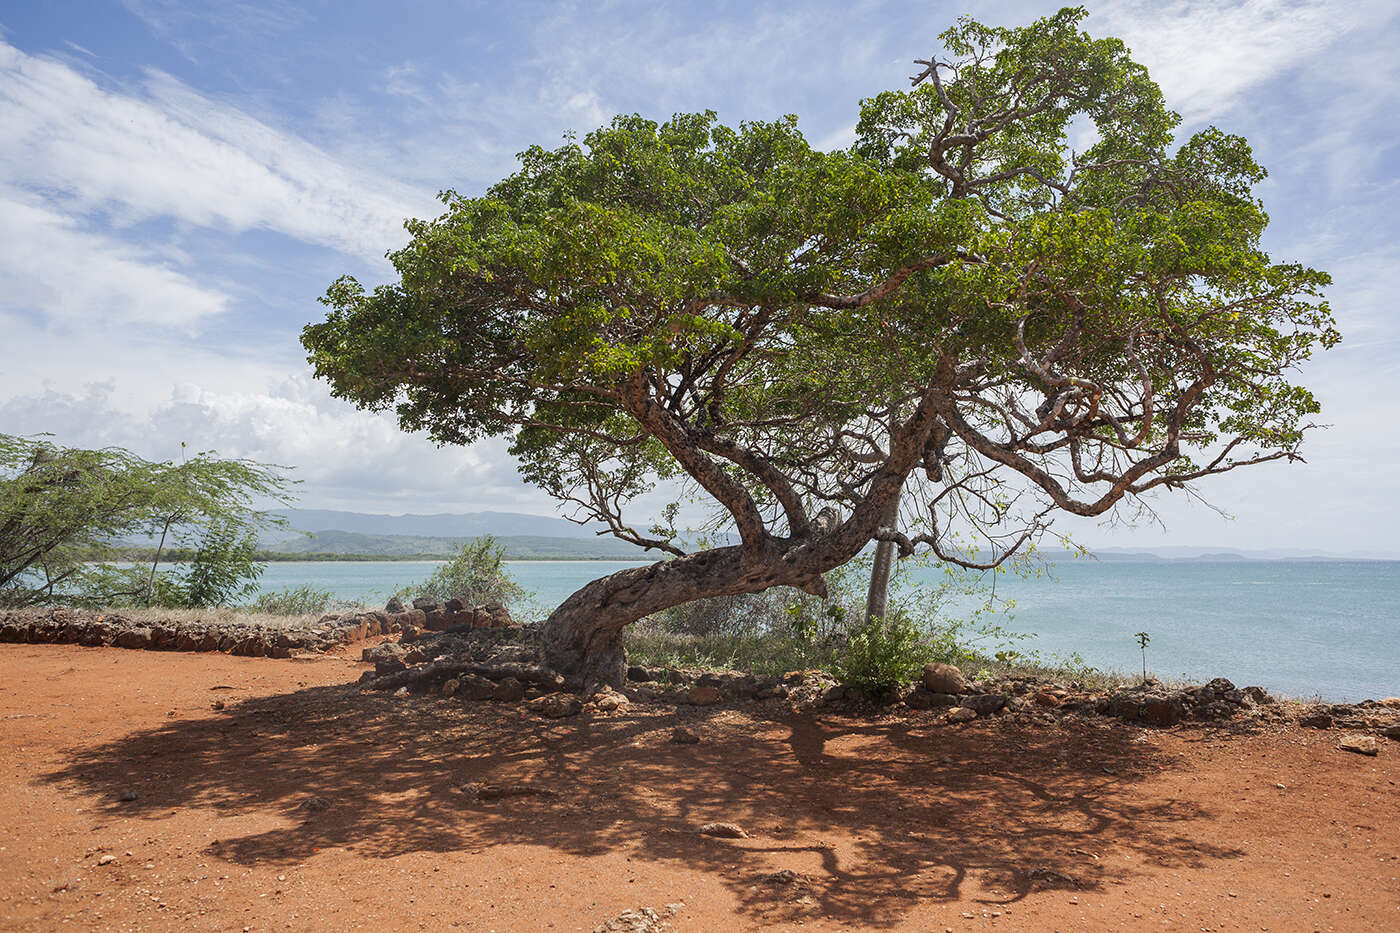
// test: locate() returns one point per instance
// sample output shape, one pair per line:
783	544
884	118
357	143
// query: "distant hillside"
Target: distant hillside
519	547
467	525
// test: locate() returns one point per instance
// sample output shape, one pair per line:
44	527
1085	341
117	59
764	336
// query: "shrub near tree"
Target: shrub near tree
63	509
476	575
959	309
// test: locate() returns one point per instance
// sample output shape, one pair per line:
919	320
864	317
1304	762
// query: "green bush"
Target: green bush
294	601
476	575
221	572
881	655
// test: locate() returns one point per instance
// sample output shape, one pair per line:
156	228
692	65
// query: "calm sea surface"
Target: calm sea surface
1297	627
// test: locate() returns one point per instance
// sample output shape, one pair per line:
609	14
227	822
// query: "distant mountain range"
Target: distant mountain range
540	536
469	525
524	537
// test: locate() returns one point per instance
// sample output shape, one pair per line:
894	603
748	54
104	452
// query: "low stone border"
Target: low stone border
112	629
51	626
506	666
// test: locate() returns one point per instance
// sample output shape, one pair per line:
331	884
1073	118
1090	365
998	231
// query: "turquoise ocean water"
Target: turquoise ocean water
1303	628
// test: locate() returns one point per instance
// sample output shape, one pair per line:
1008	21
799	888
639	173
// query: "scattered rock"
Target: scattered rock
556	705
641	920
508	690
1259	696
961	714
683	736
835	694
1154	708
1316	720
985	704
638	674
703	696
425	603
128	795
1361	744
608	699
394	605
449	687
475	687
314	804
943	678
723	831
501	791
1049	878
106	859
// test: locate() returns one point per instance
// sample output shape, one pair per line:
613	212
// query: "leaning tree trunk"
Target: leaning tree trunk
582	638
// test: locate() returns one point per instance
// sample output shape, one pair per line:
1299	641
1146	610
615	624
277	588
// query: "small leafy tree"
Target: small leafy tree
476	575
960	309
221	572
63	511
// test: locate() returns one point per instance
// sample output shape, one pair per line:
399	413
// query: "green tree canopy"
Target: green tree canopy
960	304
61	510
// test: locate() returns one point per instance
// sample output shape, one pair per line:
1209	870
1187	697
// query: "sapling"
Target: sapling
1143	640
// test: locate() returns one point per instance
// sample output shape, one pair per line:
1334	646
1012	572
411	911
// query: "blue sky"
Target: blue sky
179	181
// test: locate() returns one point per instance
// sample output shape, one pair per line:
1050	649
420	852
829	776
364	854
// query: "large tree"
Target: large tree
959	308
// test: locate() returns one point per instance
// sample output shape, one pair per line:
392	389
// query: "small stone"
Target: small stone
961	714
1259	696
609	699
944	678
315	804
703	696
127	796
476	687
449	687
984	704
1361	744
723	831
106	860
401	692
556	705
683	736
508	690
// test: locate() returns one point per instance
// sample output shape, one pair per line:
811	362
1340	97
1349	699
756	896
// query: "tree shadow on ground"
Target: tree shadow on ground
870	817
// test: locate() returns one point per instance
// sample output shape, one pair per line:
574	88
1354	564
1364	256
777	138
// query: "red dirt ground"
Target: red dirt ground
890	824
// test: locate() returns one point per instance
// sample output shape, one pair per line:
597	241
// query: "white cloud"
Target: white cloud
74	276
167	151
1207	53
343	457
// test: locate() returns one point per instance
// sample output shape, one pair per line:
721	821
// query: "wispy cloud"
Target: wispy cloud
166	151
52	265
344	458
1207	54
